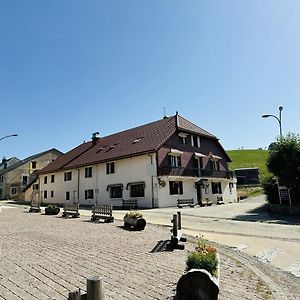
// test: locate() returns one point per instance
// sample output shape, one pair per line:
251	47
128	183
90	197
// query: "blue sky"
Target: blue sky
70	68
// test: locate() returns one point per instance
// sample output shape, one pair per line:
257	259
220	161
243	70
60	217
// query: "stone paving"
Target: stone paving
45	257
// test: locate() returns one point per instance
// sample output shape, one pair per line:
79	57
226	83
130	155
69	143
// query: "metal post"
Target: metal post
175	225
95	288
179	220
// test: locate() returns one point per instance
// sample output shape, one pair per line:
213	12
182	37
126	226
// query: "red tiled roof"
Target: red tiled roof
143	139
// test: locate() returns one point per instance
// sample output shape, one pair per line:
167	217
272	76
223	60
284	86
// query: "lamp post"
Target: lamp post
7	136
278	119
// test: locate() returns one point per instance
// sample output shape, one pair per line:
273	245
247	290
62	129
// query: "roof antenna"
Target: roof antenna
165	116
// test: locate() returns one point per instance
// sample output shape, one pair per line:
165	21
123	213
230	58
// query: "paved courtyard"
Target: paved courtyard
44	257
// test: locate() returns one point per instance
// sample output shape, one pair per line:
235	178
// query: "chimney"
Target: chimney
4	161
95	137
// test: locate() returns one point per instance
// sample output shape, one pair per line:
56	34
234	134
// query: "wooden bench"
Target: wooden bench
220	200
103	212
35	207
71	210
185	202
130	203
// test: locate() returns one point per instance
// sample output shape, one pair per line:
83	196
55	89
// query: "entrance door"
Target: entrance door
199	194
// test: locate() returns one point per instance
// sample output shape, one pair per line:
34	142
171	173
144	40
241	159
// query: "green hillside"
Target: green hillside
248	158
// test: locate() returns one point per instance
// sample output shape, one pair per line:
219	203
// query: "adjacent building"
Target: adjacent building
16	175
247	175
156	163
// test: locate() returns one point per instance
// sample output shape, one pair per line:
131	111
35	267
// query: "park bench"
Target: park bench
35	206
71	210
103	212
185	202
130	204
220	200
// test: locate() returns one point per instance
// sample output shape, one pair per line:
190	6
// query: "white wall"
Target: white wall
167	200
128	170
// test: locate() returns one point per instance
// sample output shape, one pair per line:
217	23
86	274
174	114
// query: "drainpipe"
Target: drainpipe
78	181
97	189
152	182
39	190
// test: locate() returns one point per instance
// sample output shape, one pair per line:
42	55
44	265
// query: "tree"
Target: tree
284	163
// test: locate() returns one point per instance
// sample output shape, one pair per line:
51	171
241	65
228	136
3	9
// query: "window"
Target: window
45	180
110	168
52	194
88	172
52	178
68	176
116	191
216	188
45	194
137	190
24	180
176	187
33	164
89	194
1	178
35	186
183	138
195	140
14	190
214	165
174	161
67	195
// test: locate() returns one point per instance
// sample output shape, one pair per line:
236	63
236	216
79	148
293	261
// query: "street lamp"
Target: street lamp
278	119
7	136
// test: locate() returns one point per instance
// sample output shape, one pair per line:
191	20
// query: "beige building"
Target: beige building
156	164
15	177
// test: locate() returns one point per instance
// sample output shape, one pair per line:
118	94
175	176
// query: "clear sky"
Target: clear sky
71	67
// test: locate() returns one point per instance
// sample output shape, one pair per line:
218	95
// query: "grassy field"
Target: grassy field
248	158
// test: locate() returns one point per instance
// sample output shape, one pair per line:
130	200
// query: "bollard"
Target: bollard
175	225
74	295
95	288
179	220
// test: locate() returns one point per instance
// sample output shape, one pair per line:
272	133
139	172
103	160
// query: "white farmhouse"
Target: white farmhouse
156	164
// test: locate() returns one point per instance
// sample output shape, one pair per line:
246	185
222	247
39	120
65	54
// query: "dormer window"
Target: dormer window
214	162
183	138
195	140
174	158
137	140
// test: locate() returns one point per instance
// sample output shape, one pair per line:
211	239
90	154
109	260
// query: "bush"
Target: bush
204	257
52	210
271	190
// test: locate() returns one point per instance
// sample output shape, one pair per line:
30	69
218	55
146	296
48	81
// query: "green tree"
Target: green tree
284	163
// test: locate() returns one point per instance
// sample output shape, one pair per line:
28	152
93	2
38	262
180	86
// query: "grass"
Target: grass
249	191
248	158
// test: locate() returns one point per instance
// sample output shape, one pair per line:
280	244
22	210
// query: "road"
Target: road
246	226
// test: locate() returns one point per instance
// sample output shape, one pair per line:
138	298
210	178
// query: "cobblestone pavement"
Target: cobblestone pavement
47	256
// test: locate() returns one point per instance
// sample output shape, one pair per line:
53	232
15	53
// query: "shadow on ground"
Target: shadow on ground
262	214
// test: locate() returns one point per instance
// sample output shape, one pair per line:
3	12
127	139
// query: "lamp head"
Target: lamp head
265	116
280	108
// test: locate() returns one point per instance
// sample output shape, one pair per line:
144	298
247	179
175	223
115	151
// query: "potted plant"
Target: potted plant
202	276
134	219
205	256
52	210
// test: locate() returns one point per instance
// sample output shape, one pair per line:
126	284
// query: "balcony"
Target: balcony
193	172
